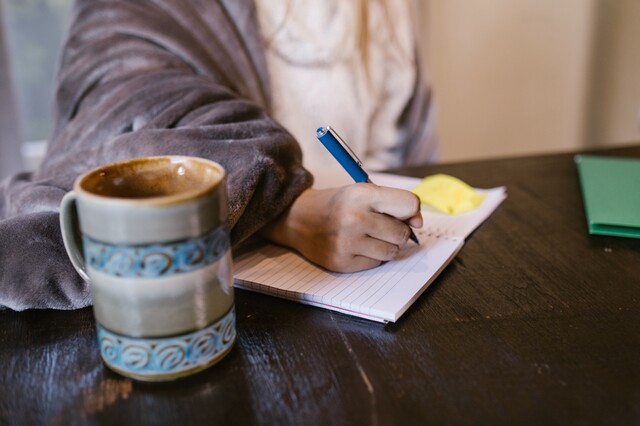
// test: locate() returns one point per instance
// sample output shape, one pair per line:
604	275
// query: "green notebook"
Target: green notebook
611	194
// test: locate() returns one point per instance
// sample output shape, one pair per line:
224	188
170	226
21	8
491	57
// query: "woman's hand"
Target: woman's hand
350	228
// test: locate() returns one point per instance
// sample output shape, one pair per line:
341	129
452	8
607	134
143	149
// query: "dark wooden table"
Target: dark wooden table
534	322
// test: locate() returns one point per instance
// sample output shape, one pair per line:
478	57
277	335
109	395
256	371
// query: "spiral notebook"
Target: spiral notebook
381	294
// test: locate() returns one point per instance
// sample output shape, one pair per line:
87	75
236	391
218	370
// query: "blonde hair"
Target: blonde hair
363	34
362	27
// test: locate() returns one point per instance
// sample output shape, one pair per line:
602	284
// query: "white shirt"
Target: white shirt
318	79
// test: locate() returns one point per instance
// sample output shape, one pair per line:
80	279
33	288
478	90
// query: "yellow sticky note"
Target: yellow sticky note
448	194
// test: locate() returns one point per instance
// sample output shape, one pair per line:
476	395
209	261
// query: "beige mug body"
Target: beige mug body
150	236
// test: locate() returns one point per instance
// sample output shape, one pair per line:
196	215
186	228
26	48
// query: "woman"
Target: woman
222	80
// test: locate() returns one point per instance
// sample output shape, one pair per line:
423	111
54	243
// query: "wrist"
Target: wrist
289	229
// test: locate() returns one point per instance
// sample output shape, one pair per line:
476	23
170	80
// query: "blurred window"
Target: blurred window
35	30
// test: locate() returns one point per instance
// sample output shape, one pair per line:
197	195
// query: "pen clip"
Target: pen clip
344	145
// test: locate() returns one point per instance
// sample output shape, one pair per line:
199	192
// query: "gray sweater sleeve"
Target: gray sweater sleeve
138	78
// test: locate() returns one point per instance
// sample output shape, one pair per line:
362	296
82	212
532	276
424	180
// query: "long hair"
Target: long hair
362	30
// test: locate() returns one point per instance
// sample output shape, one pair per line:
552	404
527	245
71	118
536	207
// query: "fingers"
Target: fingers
356	216
363	241
397	203
401	204
379	212
378	250
364	253
388	229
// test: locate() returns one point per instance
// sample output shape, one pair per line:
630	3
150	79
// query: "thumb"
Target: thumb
415	221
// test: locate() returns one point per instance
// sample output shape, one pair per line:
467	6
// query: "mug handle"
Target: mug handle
69	225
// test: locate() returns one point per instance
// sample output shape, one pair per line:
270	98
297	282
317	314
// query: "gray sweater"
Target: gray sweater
155	77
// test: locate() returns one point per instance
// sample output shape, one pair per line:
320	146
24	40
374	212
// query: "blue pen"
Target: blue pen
347	158
341	151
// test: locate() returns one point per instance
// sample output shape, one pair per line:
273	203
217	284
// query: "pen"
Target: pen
347	159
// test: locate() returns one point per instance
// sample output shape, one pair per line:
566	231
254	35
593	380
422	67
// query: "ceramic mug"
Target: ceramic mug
153	244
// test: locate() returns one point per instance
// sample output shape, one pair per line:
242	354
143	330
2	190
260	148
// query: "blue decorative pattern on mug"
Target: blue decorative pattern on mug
156	260
167	356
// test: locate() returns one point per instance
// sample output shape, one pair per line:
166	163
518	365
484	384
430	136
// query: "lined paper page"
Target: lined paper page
382	294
